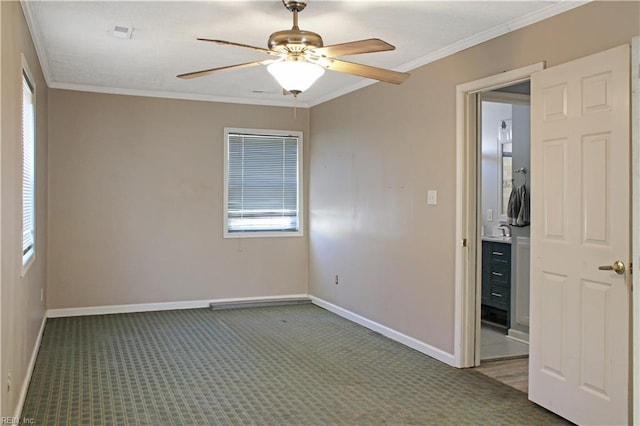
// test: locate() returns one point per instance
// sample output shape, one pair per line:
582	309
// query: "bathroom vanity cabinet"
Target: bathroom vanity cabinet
496	282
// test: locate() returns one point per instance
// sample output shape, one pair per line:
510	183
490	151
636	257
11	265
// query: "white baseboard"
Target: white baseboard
32	364
418	345
163	306
518	336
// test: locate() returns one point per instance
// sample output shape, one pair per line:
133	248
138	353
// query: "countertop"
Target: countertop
497	239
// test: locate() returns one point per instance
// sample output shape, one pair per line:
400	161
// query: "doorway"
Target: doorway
468	337
504	170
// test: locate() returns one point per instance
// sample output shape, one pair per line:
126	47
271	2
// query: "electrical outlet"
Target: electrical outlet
41	295
337	281
489	215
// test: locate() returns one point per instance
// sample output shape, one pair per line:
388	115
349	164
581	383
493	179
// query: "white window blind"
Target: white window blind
28	169
262	183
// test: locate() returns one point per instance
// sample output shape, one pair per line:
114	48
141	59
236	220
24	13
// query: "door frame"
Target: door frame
467	304
635	234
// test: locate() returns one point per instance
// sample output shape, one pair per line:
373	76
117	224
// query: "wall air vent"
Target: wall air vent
120	31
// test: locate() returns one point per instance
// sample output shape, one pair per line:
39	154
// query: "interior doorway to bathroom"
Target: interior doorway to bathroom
467	336
504	170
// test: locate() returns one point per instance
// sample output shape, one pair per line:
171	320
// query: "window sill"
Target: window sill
267	234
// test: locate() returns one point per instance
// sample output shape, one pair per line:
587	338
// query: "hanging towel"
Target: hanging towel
523	217
518	208
513	207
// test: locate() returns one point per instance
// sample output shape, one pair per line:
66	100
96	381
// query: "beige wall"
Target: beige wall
22	310
136	204
377	151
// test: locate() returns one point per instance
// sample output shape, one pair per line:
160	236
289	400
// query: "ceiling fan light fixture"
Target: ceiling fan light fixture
295	76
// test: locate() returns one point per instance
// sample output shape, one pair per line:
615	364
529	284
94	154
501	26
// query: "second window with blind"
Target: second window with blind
28	168
263	183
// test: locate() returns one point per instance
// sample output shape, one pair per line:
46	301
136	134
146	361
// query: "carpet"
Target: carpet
282	365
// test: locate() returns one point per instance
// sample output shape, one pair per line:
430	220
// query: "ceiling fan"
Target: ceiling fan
301	57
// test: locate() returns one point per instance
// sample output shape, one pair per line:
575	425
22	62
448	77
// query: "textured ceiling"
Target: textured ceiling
78	51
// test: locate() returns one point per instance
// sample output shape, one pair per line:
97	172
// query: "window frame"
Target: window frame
29	256
300	186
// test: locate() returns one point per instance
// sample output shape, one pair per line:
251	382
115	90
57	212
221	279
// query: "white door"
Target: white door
580	147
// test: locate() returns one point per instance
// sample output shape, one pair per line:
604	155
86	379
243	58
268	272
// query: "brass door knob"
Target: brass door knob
618	267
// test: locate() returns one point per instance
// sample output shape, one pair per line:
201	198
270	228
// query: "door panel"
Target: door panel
595	161
552	340
579	364
594	348
554	164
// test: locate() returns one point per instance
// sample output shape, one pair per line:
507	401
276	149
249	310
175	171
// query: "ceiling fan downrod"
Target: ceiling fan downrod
295	6
294	40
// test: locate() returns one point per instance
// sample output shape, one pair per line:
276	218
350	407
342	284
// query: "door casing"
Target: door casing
635	214
467	304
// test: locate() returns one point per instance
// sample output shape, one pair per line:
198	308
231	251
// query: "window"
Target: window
263	175
28	169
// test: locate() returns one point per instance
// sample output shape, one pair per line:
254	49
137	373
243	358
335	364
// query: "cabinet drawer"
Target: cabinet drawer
499	296
499	273
500	250
500	253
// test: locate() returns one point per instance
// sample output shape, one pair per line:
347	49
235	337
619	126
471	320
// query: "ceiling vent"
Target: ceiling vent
120	31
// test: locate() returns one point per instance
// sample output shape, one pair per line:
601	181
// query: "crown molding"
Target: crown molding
38	43
513	25
286	102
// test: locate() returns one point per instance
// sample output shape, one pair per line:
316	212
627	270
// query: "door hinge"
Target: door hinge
464	242
630	268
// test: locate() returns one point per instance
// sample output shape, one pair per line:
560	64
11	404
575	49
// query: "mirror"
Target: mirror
506	164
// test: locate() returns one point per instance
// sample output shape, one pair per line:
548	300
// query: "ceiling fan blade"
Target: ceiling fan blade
246	46
353	48
212	70
368	71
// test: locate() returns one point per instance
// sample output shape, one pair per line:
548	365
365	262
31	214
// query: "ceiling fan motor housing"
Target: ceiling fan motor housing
294	40
297	5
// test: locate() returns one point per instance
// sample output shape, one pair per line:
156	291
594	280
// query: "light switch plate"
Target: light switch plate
489	215
432	197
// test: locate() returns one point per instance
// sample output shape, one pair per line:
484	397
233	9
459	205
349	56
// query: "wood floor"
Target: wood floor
512	372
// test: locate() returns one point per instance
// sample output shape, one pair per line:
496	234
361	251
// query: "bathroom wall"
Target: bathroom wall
492	115
520	235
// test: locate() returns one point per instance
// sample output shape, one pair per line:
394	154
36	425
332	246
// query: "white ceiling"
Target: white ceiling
78	51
